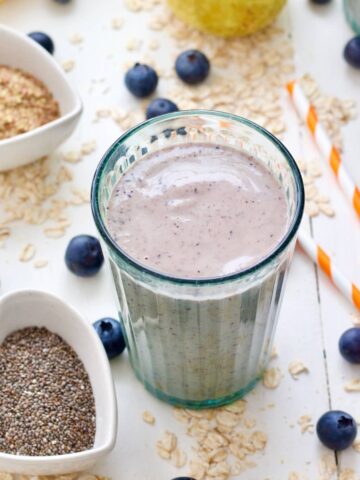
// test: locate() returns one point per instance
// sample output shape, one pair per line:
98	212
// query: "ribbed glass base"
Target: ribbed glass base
196	404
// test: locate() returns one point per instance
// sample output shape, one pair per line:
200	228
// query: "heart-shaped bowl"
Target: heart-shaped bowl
19	51
26	308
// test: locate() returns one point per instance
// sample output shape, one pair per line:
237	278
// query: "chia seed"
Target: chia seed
47	405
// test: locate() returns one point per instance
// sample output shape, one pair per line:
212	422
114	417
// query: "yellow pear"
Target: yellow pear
227	18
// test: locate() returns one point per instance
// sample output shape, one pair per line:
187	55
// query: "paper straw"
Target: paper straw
308	113
322	259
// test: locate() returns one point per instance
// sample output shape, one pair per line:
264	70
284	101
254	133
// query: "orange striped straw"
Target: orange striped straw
308	113
322	259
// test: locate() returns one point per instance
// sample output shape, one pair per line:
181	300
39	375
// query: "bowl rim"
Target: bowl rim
112	406
78	105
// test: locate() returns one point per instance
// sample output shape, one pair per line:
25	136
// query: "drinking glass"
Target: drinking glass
198	342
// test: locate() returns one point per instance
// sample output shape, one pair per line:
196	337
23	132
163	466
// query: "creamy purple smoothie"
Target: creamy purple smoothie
197	210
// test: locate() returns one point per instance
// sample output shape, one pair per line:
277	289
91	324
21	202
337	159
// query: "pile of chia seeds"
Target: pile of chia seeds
47	405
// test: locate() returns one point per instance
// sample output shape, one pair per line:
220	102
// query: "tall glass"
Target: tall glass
198	342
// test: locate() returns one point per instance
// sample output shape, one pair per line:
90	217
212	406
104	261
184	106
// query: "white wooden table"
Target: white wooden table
313	314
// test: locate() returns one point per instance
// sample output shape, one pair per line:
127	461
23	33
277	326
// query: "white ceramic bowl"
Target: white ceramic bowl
19	51
25	308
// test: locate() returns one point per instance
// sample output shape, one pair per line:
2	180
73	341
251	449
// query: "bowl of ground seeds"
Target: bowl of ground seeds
38	107
57	402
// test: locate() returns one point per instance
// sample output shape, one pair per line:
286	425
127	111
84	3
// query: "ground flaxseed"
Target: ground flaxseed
46	401
25	102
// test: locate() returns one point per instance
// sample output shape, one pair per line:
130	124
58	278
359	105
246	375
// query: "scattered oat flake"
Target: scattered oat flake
227	419
327	467
348	474
148	417
312	209
68	65
76	38
326	209
133	44
353	386
153	44
297	476
259	440
117	23
198	469
305	422
355	317
157	23
40	263
178	458
168	442
82	194
162	452
237	407
73	156
54	232
88	147
27	253
272	378
4	234
296	368
219	455
181	415
249	423
134	5
219	470
103	113
273	354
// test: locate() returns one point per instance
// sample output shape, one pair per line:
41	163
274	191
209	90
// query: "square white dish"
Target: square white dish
19	51
25	308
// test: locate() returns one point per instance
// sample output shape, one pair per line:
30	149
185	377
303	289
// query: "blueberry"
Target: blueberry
160	106
349	345
111	335
183	478
352	52
84	256
336	429
320	2
44	40
141	80
63	2
192	66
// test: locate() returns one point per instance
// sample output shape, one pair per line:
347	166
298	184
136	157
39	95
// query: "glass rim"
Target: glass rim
280	247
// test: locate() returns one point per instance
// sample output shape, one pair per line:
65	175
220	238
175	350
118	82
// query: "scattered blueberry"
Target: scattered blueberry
349	345
63	2
320	2
352	52
160	106
44	40
141	80
111	335
336	429
192	66
183	478
84	256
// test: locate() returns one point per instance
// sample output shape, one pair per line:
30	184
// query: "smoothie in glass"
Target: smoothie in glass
198	212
